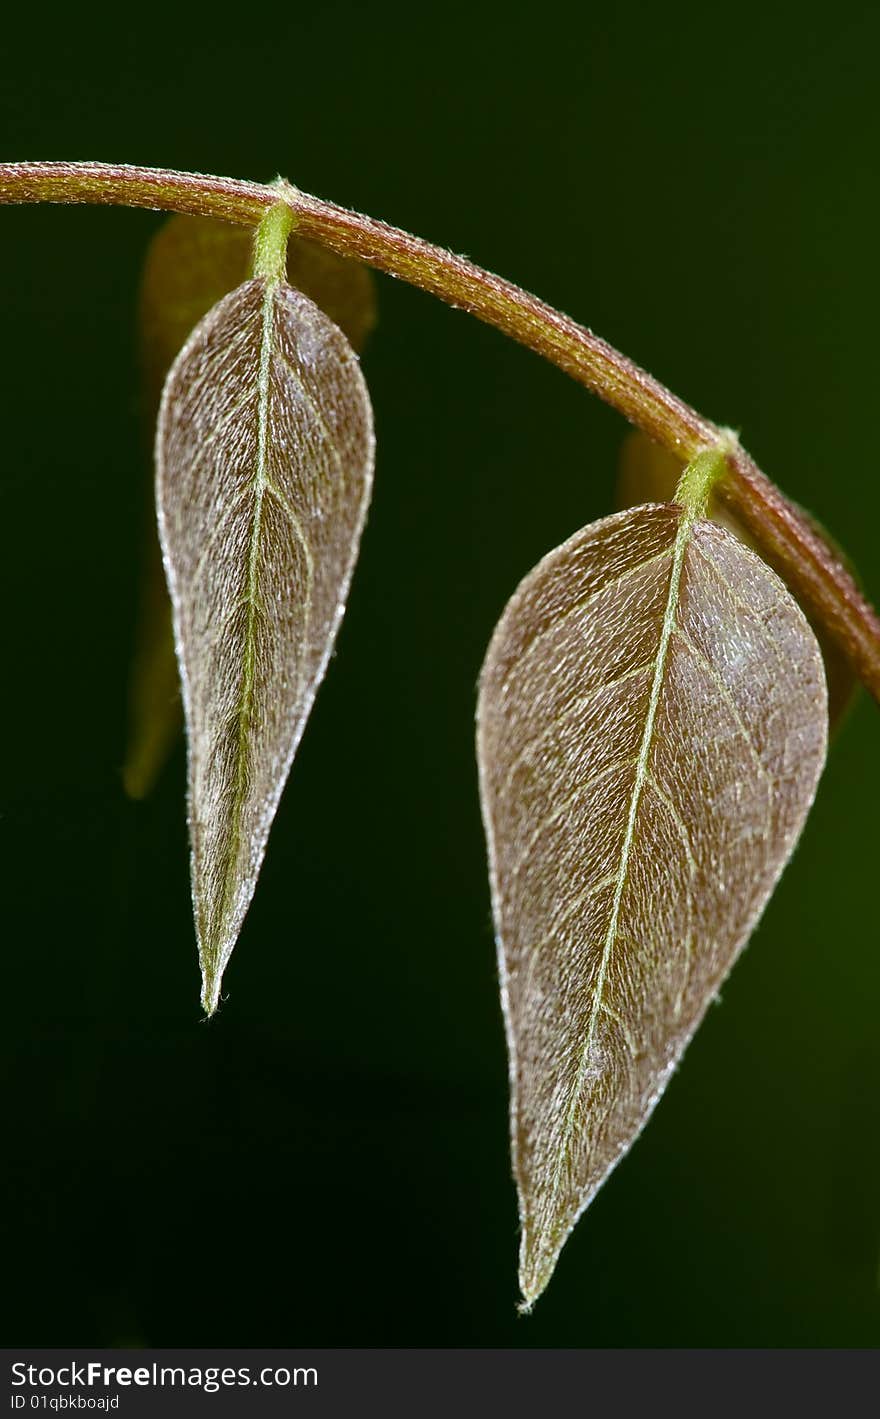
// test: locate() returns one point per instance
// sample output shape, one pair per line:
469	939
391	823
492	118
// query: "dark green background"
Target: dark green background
326	1162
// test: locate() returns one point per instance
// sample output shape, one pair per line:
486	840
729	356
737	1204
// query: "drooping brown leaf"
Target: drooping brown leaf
647	473
264	459
192	262
651	728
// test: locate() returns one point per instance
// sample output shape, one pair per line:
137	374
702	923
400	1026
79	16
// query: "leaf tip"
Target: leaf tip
135	784
537	1264
211	981
142	767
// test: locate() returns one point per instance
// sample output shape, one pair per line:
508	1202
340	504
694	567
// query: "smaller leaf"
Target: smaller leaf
192	262
264	461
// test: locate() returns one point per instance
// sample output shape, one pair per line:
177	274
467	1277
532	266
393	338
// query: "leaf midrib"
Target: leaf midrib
682	539
246	698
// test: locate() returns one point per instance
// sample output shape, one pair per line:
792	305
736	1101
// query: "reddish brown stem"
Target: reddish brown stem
808	563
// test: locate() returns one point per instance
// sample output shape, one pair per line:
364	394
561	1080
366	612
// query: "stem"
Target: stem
270	244
698	480
799	553
576	350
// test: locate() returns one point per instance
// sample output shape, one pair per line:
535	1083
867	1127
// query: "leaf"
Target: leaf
191	263
264	459
651	728
647	473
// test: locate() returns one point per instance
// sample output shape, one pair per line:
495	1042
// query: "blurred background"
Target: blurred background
326	1162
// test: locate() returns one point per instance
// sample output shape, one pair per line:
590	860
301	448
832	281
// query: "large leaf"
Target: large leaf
192	262
652	725
264	459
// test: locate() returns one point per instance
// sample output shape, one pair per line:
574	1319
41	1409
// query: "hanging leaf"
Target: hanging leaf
192	262
651	729
264	459
647	473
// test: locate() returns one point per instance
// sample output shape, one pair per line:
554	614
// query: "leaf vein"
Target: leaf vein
293	518
743	605
586	602
313	405
207	444
567	802
724	691
245	704
561	718
663	797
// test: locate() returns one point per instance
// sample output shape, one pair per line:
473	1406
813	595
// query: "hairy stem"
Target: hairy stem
270	243
796	549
